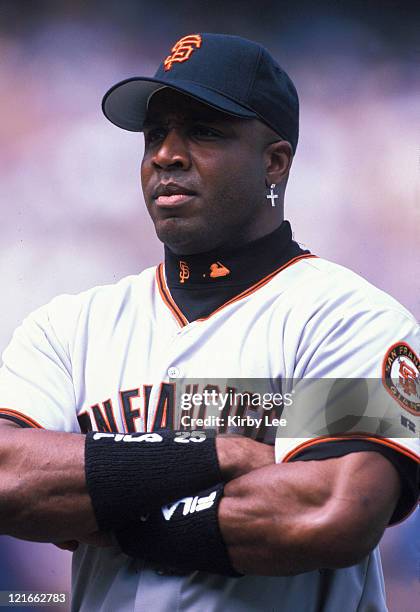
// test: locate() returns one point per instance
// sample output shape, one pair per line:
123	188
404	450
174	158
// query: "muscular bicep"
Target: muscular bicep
291	518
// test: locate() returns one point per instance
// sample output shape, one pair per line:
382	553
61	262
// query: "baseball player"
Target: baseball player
124	435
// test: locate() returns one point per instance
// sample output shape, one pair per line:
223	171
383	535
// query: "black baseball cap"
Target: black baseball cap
230	73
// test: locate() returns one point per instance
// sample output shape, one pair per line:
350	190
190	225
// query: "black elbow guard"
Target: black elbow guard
130	474
184	535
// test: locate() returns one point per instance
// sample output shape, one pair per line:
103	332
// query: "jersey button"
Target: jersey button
174	372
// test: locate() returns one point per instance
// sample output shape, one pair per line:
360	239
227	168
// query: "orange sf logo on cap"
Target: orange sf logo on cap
182	50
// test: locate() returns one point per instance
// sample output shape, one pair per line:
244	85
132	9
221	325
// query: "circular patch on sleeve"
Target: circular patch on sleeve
401	376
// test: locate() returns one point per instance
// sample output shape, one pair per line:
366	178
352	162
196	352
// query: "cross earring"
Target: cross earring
272	196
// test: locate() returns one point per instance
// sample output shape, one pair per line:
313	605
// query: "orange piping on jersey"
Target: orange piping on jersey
169	301
167	298
22	417
258	284
352	436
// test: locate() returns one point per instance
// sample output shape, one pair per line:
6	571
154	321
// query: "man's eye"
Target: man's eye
154	135
204	132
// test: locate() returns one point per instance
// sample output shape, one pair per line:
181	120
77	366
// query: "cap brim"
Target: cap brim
125	104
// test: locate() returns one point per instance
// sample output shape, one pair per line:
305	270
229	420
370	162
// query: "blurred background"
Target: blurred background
72	214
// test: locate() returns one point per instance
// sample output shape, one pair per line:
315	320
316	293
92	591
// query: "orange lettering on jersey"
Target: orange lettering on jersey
85	422
164	417
218	269
130	414
184	271
182	50
104	422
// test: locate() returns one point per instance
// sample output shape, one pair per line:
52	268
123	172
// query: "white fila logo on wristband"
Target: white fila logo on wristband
191	505
182	437
147	437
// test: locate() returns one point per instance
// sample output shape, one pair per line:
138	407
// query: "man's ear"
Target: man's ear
278	159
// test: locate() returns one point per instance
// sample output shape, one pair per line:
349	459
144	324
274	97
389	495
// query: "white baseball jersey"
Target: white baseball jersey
114	358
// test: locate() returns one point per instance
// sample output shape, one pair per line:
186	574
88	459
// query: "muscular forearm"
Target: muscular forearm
292	518
43	494
275	519
43	490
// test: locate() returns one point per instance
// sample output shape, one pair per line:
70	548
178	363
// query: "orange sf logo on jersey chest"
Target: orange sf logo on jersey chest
182	50
184	271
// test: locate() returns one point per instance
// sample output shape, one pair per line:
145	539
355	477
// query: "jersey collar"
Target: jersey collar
196	286
242	266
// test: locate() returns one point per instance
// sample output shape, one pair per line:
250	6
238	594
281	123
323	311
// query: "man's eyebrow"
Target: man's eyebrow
153	121
211	115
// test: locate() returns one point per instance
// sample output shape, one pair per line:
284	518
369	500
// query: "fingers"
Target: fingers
100	540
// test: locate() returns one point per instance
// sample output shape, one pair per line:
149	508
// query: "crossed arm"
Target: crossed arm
276	519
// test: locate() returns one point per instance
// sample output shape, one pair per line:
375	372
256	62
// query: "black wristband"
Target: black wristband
130	474
184	535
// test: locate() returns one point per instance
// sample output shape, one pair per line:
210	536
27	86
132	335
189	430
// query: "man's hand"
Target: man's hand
239	455
98	539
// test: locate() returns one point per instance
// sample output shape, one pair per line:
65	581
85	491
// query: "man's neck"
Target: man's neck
201	283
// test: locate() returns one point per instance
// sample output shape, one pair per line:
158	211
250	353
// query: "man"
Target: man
175	518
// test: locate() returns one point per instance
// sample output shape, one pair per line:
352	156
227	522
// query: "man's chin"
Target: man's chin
183	236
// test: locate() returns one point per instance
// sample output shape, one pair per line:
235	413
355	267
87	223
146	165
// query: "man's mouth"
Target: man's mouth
171	194
172	200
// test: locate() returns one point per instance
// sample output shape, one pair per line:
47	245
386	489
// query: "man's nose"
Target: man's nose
172	152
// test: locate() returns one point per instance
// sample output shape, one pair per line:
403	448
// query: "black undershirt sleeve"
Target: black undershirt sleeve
408	469
15	419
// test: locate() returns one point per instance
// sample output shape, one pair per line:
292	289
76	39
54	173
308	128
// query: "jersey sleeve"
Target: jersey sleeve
36	388
357	389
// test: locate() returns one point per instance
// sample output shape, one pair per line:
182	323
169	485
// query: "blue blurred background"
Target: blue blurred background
72	213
